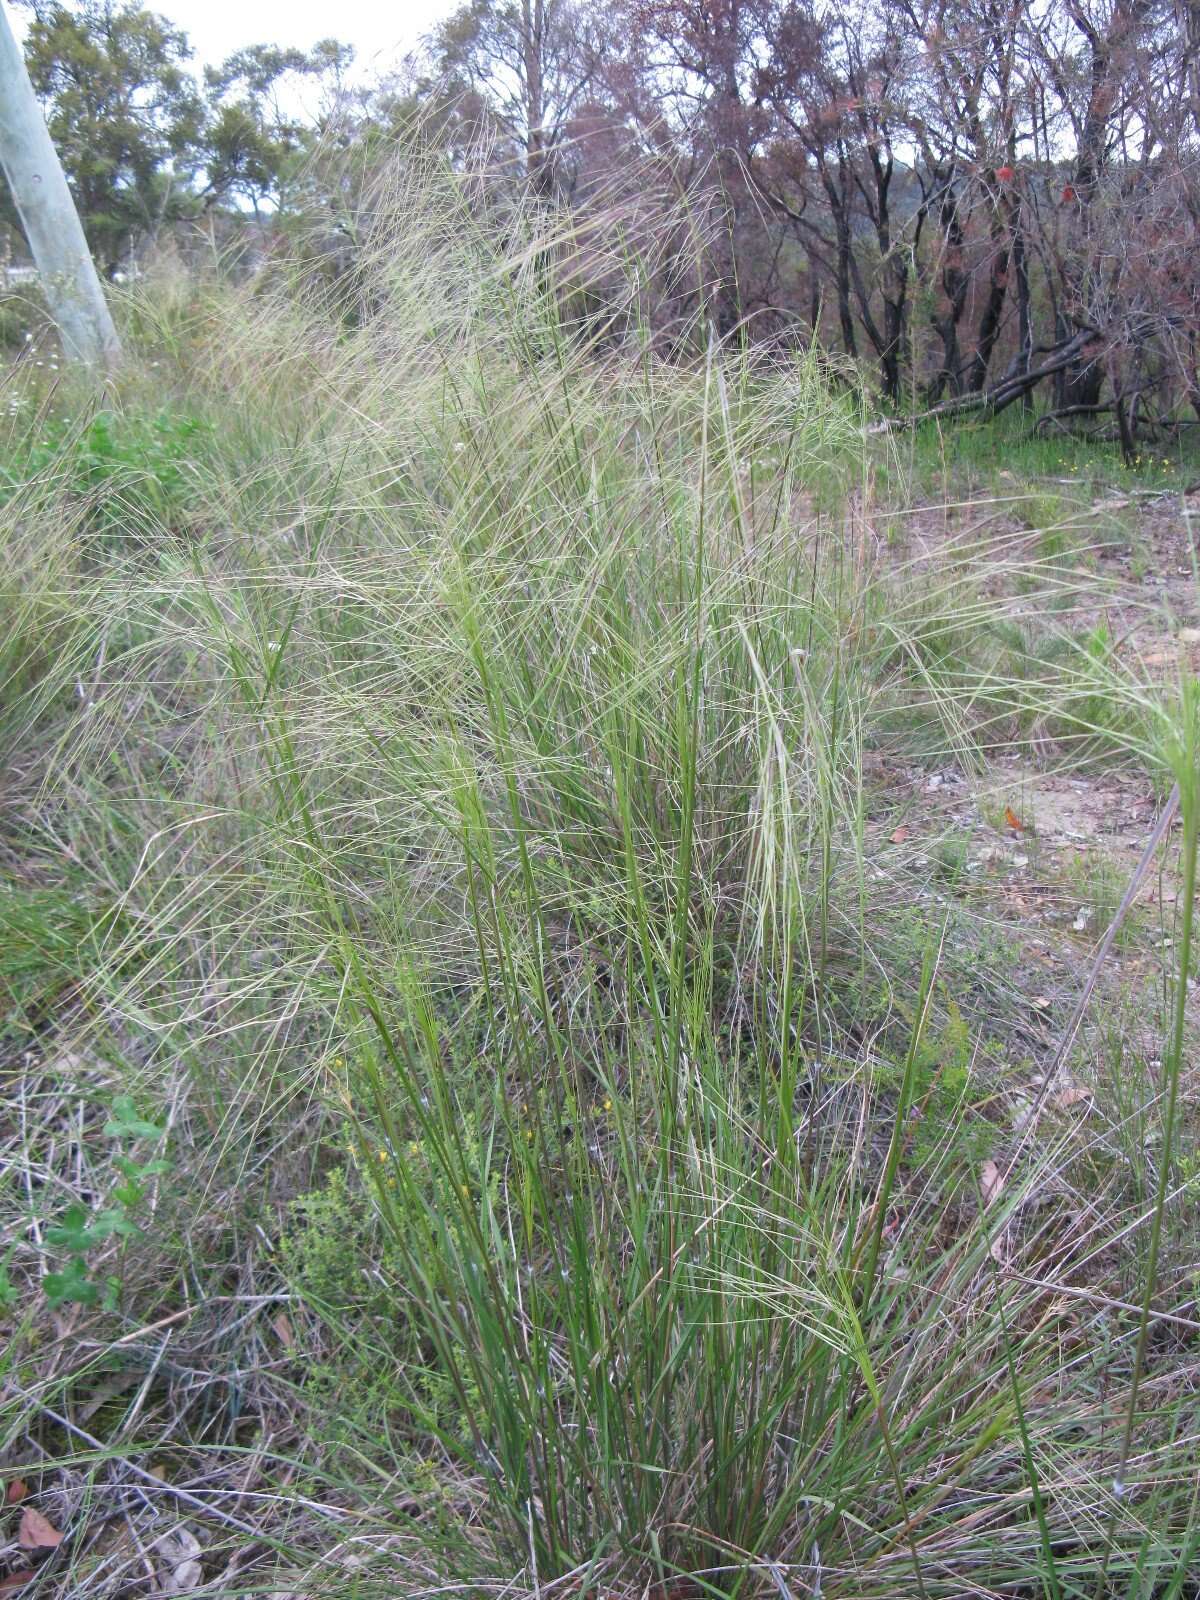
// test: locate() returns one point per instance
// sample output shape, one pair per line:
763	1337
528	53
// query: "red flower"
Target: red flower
1004	174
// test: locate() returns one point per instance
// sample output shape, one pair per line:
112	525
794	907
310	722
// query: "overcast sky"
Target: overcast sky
379	31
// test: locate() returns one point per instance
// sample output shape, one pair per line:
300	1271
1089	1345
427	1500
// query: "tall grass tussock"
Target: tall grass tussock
450	750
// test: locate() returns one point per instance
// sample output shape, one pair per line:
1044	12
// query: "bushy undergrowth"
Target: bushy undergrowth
471	730
129	471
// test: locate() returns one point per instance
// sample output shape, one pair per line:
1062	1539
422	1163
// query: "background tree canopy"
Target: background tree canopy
123	111
961	201
146	142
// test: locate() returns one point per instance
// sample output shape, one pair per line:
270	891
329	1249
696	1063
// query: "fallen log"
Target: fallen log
990	402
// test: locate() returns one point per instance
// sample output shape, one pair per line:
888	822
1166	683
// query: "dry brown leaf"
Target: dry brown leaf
901	833
16	1580
1073	1096
284	1329
991	1182
37	1532
179	1551
1040	1002
16	1491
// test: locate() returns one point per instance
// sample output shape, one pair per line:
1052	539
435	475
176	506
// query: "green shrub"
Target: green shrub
131	472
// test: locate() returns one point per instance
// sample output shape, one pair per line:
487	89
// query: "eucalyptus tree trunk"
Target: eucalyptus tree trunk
48	216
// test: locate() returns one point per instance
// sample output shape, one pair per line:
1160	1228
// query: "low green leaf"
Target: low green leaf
72	1284
77	1235
126	1123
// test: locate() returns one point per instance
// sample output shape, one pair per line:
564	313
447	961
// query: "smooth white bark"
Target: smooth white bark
47	211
